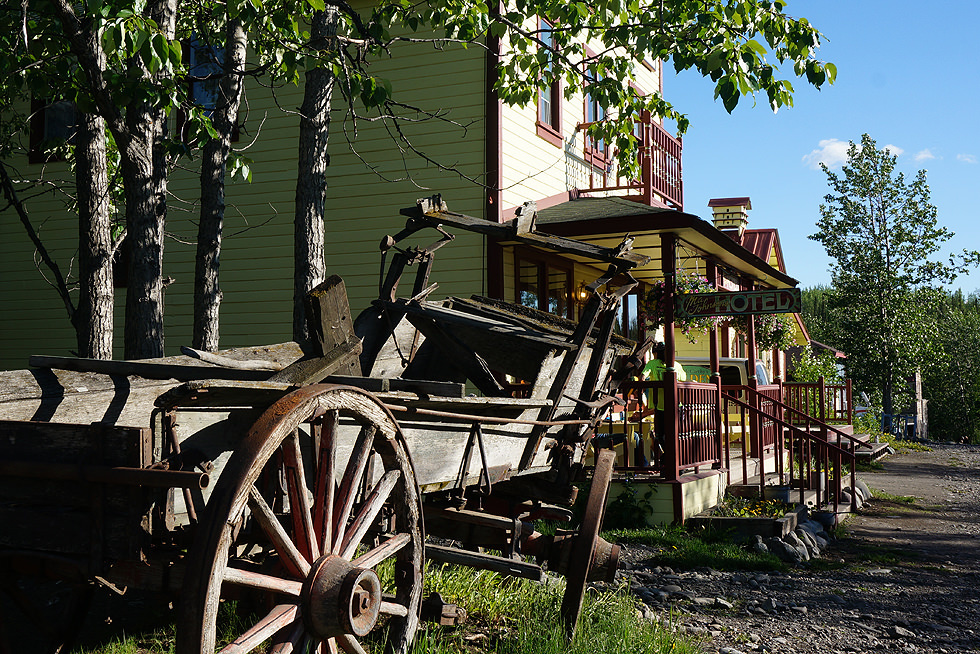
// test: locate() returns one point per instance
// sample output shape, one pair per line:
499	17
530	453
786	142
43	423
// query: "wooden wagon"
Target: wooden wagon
329	496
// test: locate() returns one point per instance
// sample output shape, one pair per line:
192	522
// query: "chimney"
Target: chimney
730	215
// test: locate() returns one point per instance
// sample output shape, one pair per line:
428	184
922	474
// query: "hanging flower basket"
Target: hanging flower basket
653	309
773	331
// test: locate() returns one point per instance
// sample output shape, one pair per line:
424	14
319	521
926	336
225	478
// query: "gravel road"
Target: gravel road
908	577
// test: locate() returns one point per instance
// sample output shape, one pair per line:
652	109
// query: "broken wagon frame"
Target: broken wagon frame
325	492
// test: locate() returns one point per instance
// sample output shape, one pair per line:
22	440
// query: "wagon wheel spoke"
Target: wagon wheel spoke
293	643
347	493
370	510
280	617
384	551
260	581
350	645
324	490
292	557
299	498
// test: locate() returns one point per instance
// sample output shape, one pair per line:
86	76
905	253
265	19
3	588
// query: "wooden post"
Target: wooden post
850	402
668	258
715	367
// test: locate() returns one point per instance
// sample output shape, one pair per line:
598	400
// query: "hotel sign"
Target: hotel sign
740	303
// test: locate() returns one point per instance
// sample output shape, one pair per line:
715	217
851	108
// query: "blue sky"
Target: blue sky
908	75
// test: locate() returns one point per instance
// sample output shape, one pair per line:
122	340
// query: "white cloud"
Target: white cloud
924	155
831	153
967	158
893	150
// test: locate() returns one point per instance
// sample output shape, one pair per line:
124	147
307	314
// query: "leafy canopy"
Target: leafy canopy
883	234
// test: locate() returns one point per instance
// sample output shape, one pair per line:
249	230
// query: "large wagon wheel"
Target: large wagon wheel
315	546
589	552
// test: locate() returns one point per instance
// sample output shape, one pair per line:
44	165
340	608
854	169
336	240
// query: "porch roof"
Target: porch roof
604	222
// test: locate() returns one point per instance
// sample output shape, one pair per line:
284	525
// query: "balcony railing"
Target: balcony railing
661	182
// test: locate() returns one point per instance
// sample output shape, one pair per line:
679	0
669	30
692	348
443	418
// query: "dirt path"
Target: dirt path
907	579
943	524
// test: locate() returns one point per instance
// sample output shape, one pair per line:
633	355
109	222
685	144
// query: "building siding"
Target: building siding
256	258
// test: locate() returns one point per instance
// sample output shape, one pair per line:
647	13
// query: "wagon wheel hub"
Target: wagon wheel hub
339	598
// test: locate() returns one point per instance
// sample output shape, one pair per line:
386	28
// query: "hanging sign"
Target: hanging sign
741	303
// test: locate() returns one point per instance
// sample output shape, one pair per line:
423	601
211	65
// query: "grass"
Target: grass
888	497
676	547
505	616
509	616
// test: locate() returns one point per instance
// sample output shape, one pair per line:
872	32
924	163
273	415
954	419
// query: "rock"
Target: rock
671	588
785	551
723	603
794	541
769	605
703	601
864	488
899	632
807	538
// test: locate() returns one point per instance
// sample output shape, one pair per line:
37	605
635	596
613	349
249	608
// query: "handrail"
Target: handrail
855	442
807	436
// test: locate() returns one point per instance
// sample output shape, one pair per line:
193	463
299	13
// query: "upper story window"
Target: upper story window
544	282
206	67
52	124
205	70
596	151
549	99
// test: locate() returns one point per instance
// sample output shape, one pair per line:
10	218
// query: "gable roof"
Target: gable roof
764	243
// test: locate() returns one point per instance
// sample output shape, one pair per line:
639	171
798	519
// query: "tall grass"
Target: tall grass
505	616
516	616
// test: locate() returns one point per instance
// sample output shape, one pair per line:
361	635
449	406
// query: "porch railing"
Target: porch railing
819	456
830	403
634	425
660	169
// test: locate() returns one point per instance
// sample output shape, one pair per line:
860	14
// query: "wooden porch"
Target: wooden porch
789	440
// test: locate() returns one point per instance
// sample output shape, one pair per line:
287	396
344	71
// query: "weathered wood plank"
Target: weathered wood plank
329	321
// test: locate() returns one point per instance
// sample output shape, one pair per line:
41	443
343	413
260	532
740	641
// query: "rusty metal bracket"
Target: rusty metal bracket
485	483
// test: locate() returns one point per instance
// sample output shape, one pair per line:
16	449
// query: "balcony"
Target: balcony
660	182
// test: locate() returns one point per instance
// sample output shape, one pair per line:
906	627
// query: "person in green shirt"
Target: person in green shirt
655	370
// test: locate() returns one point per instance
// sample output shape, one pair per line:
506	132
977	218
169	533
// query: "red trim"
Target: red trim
549	134
494	165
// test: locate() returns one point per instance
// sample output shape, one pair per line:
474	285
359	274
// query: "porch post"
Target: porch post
668	265
716	378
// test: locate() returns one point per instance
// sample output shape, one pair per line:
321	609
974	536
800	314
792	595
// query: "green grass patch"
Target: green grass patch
888	497
678	548
505	616
514	616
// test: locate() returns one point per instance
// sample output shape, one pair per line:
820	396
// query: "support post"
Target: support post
668	258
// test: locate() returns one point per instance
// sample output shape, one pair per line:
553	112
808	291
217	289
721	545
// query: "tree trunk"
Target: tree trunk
207	292
93	318
311	183
144	166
